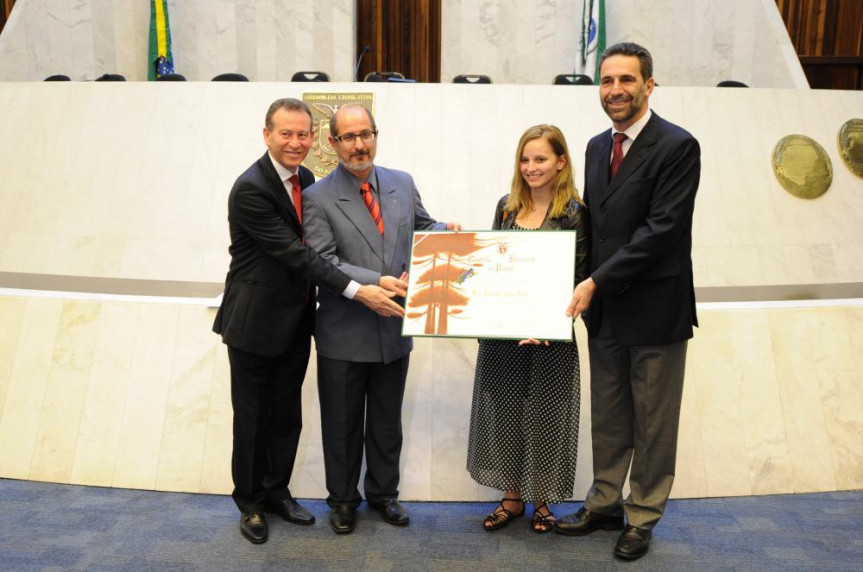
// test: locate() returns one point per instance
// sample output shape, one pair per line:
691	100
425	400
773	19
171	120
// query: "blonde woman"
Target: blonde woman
524	419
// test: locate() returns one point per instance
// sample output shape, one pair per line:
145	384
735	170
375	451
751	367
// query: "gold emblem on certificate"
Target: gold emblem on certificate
802	166
850	143
490	284
322	158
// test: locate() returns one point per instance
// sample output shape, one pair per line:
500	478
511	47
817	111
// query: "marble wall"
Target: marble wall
264	40
134	395
695	42
130	180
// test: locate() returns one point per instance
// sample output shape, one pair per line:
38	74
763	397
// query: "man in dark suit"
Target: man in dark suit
640	183
267	317
361	218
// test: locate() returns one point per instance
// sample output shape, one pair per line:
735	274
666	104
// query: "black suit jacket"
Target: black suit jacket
270	284
641	230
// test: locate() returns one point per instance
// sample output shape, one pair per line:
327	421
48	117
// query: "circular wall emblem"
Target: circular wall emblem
802	166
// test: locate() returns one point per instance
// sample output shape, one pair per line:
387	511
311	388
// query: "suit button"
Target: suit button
601	238
602	209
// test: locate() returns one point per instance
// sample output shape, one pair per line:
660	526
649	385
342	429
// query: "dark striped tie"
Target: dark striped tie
372	205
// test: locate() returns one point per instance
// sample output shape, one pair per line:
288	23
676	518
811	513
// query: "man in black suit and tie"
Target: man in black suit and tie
267	317
638	303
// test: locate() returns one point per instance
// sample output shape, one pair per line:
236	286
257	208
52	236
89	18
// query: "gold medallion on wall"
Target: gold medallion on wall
850	143
802	166
322	158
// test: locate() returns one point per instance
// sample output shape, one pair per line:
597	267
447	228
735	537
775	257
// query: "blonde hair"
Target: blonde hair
562	188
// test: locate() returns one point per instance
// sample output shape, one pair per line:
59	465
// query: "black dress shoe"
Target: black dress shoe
633	543
253	526
392	511
290	510
343	519
584	522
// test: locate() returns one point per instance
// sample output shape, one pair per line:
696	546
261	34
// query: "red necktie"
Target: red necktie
617	153
372	205
297	196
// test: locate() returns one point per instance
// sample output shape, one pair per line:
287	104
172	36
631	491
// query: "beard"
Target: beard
636	104
363	166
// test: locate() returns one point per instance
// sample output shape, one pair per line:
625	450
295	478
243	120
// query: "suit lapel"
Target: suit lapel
351	203
641	149
391	211
277	187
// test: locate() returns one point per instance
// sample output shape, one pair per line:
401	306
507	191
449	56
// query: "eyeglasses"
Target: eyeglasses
349	138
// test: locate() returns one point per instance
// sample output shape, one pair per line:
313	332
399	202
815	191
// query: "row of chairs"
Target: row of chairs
560	79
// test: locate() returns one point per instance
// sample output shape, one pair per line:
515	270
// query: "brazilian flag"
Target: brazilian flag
161	62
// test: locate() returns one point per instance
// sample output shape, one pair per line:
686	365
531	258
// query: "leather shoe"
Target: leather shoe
392	511
343	519
290	510
633	543
253	526
584	522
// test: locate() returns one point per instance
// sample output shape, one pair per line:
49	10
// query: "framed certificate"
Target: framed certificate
491	284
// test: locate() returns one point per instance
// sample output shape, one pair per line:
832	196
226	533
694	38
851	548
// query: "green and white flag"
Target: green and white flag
592	41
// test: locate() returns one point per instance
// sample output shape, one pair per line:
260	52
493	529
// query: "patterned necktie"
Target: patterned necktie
297	196
617	153
372	205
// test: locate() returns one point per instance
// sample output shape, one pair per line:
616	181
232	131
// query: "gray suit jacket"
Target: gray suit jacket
339	227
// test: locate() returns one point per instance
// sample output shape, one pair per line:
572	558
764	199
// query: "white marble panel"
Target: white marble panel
27	386
184	432
797	360
103	411
65	393
216	463
11	317
142	428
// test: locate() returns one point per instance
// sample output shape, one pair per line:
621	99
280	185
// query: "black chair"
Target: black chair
572	79
171	77
110	77
471	78
230	77
58	77
731	83
310	76
383	76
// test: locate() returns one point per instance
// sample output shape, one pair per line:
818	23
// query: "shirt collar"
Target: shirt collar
635	129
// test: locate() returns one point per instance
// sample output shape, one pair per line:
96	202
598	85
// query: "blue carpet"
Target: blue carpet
62	527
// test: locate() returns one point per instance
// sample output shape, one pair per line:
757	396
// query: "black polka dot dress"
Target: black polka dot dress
524	419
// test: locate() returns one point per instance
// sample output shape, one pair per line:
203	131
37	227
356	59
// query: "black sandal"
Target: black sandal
542	523
502	516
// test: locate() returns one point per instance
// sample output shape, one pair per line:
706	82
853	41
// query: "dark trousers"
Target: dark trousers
635	396
266	393
361	405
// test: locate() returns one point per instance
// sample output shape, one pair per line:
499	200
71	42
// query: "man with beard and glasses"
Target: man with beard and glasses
638	302
361	218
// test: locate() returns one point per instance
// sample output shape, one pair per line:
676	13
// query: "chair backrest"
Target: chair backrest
383	76
230	77
310	76
572	79
110	77
171	77
58	77
731	83
471	78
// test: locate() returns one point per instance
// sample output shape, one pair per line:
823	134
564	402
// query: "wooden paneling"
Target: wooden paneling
5	9
402	36
828	37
